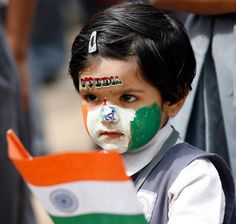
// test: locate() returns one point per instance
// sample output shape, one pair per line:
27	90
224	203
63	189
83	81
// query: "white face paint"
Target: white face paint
109	127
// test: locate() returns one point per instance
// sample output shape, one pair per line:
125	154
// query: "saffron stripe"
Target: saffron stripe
100	219
68	167
65	167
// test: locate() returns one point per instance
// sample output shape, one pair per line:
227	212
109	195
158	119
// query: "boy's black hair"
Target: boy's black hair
158	42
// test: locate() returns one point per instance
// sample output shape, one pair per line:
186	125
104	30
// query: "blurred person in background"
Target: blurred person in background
15	22
47	55
208	118
93	6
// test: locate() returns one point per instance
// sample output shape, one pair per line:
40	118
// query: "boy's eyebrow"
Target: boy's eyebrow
128	90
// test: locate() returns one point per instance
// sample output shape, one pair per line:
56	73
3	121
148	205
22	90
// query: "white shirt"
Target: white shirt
196	196
139	158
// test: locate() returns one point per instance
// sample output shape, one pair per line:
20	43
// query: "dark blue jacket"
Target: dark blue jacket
158	178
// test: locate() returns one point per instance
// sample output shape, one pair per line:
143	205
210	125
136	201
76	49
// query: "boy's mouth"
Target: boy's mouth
110	134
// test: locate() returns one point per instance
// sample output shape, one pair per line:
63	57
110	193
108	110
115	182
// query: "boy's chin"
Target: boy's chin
120	144
114	147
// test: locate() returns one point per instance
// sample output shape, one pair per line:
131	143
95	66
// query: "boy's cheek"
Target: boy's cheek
146	124
143	124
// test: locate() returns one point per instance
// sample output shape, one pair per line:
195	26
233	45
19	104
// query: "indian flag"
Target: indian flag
79	188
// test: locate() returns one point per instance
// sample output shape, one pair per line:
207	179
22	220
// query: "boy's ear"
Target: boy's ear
173	109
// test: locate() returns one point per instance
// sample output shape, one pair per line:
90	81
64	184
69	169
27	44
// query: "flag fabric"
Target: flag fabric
79	187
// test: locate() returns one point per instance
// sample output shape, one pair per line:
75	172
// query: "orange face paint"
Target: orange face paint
85	115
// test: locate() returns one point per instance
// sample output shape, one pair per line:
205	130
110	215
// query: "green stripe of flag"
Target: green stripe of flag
100	219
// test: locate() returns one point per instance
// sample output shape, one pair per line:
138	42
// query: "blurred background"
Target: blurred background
57	117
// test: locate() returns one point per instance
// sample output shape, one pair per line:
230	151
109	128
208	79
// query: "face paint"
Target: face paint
85	114
110	129
113	127
108	113
90	82
145	125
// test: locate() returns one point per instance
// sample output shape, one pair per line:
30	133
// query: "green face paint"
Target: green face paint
145	125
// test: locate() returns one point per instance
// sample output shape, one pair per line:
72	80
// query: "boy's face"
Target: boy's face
121	110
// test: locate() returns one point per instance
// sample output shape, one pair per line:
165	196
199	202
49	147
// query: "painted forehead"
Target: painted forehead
91	82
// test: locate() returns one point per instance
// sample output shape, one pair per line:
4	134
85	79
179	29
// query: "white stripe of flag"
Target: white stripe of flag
84	197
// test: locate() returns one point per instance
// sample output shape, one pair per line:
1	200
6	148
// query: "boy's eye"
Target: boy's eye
128	98
90	98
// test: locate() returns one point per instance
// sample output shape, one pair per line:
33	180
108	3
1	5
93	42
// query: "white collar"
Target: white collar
136	160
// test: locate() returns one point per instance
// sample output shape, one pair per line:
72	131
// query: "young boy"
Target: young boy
133	66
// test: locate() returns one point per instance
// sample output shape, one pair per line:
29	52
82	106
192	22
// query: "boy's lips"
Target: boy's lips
110	134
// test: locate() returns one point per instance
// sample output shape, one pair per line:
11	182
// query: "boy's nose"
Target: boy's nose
109	114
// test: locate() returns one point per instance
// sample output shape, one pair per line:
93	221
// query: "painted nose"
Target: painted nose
109	114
